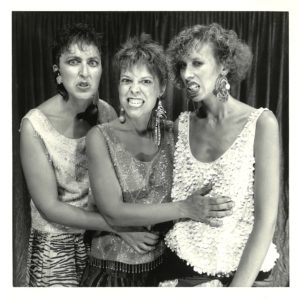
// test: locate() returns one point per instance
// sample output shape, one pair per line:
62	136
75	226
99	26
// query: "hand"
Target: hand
142	242
207	209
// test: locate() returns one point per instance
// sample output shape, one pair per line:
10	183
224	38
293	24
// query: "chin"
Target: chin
196	98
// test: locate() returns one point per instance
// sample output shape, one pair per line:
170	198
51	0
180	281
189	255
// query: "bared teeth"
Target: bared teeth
135	102
193	87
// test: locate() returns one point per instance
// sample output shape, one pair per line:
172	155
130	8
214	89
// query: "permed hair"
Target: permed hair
80	34
142	50
229	50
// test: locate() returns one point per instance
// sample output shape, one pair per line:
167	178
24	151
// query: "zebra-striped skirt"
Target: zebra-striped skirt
55	259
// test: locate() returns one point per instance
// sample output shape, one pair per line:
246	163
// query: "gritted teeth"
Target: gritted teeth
135	102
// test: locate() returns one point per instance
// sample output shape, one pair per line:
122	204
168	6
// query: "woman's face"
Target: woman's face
80	69
199	72
138	91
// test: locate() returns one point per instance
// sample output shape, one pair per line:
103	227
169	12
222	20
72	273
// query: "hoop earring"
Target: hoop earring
122	118
222	88
160	114
59	79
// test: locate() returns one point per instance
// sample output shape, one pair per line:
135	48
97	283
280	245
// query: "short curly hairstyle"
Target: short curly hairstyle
80	34
228	50
143	50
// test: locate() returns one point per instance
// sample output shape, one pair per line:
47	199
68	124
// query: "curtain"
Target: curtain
32	79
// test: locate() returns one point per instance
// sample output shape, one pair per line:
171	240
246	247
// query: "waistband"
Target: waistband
123	267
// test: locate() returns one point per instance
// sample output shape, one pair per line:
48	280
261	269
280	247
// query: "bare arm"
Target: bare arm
108	195
266	196
42	186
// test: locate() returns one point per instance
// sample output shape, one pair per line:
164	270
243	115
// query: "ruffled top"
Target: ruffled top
69	161
217	250
141	183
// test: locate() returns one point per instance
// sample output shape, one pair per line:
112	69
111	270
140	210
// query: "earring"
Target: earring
122	118
160	114
222	88
58	79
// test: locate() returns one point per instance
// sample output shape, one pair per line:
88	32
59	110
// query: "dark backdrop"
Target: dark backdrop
266	86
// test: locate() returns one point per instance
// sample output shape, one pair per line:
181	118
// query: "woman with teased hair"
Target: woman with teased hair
231	146
130	168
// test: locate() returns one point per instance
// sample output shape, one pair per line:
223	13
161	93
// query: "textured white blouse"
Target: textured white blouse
217	250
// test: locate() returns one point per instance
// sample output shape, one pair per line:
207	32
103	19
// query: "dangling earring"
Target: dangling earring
122	118
59	79
222	88
160	113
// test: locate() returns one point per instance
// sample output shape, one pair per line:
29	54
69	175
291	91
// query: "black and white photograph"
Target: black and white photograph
150	148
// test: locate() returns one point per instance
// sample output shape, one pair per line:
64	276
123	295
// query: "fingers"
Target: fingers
204	190
151	236
219	200
219	214
145	248
222	207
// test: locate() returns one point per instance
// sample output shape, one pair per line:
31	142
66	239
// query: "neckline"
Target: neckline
227	150
50	125
121	144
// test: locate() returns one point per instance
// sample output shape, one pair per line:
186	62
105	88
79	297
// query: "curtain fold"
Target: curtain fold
266	86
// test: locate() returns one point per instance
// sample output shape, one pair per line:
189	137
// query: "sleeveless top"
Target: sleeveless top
68	159
217	250
141	183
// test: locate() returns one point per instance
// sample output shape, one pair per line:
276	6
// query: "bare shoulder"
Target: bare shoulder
267	122
49	107
106	112
26	127
93	134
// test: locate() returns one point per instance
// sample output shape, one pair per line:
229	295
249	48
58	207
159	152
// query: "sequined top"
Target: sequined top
141	183
209	249
68	158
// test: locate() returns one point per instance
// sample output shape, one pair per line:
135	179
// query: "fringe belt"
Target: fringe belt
123	267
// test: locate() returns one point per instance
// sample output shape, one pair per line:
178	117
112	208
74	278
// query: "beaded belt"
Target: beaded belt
123	267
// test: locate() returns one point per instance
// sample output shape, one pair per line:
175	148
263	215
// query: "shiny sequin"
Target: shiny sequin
209	249
141	183
68	158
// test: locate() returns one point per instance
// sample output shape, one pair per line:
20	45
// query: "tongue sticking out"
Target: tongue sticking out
193	89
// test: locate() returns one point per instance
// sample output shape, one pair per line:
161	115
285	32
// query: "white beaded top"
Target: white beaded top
216	250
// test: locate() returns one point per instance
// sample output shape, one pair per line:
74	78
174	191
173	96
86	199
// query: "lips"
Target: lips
83	85
135	102
193	89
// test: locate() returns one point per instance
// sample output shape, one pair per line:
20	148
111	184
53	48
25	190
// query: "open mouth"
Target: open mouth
193	89
83	85
135	102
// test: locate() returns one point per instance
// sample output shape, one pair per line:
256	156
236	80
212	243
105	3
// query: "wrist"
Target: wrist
182	209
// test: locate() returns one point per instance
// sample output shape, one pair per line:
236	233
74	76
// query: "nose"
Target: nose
84	71
134	88
187	73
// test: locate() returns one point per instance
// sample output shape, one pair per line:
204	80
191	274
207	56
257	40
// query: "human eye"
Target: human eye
94	63
125	80
197	63
73	61
147	81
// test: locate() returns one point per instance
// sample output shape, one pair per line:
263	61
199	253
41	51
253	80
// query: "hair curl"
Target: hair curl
80	34
143	50
228	49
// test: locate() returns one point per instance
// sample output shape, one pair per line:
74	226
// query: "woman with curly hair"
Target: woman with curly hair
231	146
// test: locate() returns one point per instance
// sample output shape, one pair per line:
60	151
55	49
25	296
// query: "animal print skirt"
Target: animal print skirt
55	259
